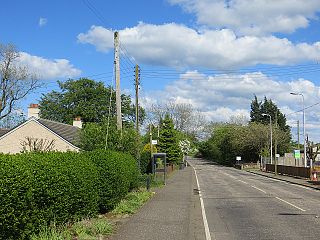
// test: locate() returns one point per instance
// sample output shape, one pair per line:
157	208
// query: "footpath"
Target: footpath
289	179
174	213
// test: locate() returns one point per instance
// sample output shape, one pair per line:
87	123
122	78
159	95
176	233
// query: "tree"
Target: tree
16	80
168	141
31	144
103	135
185	117
255	113
85	98
248	141
267	107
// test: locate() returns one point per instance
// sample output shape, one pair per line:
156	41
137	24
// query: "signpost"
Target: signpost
154	142
238	158
297	156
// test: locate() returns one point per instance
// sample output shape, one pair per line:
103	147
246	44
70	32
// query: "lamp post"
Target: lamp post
304	130
265	114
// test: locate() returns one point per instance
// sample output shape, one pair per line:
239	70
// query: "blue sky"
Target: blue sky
213	54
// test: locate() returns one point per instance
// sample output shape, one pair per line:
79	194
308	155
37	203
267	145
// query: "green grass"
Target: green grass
95	228
91	228
132	202
52	233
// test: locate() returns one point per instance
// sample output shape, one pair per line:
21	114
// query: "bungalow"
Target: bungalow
40	134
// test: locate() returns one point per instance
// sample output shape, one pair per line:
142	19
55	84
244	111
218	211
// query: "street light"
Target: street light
265	114
304	130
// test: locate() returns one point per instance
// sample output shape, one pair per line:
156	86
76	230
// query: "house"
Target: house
41	134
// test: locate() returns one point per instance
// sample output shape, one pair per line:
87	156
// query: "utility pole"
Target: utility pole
151	143
298	133
137	83
117	74
275	146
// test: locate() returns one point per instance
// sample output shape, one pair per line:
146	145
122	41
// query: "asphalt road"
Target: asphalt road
241	205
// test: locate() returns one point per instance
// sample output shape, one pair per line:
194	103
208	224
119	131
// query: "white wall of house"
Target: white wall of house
11	142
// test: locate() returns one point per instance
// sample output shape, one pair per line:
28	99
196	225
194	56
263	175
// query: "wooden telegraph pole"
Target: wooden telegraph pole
137	83
117	75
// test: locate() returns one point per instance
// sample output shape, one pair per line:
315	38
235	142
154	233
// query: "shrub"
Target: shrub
118	174
145	159
38	189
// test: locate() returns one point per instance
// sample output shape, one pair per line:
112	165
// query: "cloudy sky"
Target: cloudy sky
213	54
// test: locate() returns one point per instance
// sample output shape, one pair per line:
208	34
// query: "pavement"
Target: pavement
290	179
174	213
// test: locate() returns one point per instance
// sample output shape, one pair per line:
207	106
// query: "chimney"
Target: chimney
33	111
77	122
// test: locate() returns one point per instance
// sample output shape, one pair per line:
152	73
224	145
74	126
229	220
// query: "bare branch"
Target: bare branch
16	81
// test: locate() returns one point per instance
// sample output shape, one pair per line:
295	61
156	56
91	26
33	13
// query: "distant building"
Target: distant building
44	133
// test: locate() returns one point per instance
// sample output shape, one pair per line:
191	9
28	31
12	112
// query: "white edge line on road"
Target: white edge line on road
259	189
204	216
242	181
290	204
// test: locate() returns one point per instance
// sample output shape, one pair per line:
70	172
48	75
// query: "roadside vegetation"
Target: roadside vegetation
53	195
98	227
250	140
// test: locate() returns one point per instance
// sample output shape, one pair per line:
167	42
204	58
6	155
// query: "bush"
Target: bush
39	189
145	158
118	174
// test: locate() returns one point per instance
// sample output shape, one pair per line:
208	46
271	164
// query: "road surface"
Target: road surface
241	205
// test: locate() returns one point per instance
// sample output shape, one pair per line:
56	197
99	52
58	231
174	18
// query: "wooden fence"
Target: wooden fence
290	170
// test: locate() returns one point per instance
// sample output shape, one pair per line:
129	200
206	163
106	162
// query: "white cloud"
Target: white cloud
98	36
225	96
42	22
179	46
47	68
253	17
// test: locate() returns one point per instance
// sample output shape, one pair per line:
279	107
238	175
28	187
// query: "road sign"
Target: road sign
297	154
238	158
154	142
277	155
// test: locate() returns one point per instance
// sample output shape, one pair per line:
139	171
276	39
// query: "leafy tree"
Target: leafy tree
16	81
248	141
168	141
87	99
99	136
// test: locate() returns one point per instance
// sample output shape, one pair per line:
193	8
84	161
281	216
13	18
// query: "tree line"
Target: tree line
248	140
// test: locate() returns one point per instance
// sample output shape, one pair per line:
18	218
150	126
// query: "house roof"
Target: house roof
3	131
67	132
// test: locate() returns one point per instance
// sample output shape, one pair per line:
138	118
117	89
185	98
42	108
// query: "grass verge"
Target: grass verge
132	202
96	228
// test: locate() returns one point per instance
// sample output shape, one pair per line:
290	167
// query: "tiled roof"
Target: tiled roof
68	132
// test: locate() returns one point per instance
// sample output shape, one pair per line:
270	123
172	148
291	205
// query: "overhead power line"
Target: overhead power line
95	11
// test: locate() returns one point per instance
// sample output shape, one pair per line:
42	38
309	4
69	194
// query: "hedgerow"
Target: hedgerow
39	189
118	174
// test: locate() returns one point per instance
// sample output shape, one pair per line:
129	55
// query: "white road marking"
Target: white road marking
259	189
229	175
242	181
204	216
291	204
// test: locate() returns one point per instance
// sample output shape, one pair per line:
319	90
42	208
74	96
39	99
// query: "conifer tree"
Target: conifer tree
168	141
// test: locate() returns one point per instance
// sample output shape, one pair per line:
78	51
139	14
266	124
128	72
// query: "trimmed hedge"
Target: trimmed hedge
118	174
38	189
